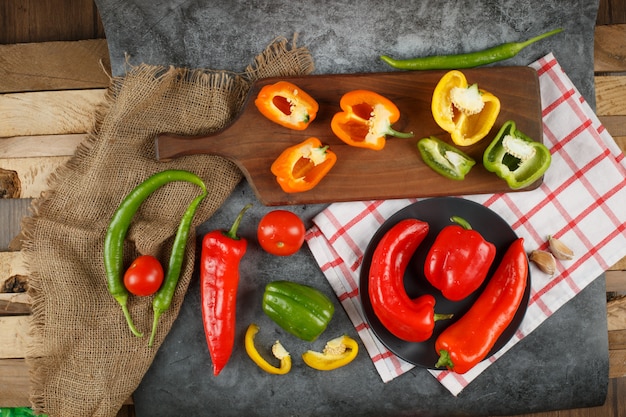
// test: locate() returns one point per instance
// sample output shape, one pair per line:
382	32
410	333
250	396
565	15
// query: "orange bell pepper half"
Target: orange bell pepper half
301	167
465	111
366	120
286	104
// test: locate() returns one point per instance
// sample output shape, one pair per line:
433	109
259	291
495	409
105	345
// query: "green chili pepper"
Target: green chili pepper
301	310
467	60
444	158
515	157
163	298
118	228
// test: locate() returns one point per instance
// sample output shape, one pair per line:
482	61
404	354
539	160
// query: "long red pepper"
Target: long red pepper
468	341
459	260
410	320
219	279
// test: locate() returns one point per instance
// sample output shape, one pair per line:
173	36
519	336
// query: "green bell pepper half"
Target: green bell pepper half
444	158
515	157
299	309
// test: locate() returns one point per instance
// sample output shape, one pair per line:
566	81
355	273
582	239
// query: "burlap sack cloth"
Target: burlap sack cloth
84	360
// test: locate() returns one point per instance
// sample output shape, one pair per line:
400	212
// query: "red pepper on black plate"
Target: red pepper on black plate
459	260
469	340
407	319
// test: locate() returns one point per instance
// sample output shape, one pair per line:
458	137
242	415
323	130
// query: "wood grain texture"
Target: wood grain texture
14	304
15	336
49	112
49	20
33	173
610	49
611	100
40	145
397	171
43	66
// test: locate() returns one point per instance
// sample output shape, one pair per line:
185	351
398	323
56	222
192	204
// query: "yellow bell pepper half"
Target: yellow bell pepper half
337	353
277	350
465	111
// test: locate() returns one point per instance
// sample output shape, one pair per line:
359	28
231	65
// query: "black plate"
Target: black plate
437	212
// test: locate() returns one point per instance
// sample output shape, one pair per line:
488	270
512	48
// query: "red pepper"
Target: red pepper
410	320
459	260
219	279
468	341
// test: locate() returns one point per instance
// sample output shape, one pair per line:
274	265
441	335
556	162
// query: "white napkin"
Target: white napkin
582	202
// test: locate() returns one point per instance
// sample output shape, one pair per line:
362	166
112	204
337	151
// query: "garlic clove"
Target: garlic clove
544	261
559	249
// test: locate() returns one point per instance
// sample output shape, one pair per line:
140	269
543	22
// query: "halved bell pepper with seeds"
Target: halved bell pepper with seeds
444	158
366	119
516	158
465	111
301	167
286	104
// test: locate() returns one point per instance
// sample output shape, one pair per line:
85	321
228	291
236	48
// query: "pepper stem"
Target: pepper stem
404	135
521	45
444	360
155	323
232	233
122	300
439	316
461	222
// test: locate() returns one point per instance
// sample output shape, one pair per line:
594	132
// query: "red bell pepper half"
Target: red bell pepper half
459	260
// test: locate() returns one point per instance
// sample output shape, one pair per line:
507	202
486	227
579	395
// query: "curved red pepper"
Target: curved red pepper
468	341
459	260
410	320
219	279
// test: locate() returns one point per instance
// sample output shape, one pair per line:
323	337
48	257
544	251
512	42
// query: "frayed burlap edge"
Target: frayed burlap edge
279	59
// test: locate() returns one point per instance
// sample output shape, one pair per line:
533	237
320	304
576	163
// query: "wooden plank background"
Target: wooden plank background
47	108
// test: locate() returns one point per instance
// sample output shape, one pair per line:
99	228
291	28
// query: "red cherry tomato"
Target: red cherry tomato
144	276
281	233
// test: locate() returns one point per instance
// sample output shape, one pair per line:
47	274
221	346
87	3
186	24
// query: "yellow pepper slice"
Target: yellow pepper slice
277	350
337	353
465	111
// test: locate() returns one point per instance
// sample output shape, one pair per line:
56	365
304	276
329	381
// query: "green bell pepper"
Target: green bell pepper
515	157
444	158
299	309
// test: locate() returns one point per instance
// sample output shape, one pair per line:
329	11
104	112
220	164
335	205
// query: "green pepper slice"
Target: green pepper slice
444	158
299	309
515	157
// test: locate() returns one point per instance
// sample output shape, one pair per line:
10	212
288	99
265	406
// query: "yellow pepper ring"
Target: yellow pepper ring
466	126
337	353
278	350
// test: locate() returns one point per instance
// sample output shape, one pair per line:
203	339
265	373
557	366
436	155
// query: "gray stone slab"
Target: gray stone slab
563	364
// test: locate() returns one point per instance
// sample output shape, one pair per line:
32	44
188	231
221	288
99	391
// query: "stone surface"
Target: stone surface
563	364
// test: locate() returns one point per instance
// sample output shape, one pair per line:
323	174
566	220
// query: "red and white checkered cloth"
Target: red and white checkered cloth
582	202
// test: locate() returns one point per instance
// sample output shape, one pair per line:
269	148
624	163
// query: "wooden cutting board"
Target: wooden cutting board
397	171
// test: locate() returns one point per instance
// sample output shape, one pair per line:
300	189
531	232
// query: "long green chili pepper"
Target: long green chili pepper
163	298
467	60
118	228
